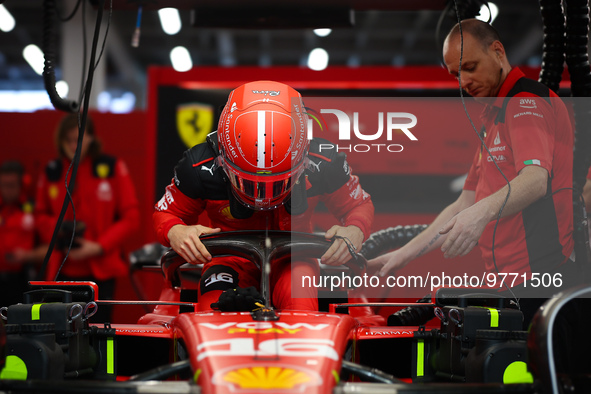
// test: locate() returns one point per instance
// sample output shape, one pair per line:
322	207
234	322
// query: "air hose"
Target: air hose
369	374
49	45
383	241
577	60
553	49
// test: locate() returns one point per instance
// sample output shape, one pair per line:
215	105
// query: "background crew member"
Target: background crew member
106	211
18	238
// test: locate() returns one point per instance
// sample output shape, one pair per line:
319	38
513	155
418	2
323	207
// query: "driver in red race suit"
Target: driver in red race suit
259	171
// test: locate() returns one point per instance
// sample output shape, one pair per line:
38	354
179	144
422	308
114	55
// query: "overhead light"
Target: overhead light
485	14
123	104
181	59
34	57
322	32
24	100
170	19
103	101
318	59
62	88
7	22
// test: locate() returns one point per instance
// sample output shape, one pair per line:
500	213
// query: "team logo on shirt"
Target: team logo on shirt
527	103
208	169
102	170
104	191
225	212
314	167
497	140
53	192
495	151
28	222
346	168
165	201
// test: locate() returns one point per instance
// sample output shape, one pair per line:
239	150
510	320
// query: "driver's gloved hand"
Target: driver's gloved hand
239	300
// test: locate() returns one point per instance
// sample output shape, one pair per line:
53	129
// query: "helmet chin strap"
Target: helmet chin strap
237	209
297	203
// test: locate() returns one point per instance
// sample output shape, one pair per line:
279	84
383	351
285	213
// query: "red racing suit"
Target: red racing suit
17	231
105	201
199	187
527	125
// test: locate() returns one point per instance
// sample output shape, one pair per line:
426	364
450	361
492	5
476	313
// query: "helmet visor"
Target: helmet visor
262	190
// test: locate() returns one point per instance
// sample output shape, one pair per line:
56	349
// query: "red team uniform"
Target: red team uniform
17	231
527	125
277	184
105	201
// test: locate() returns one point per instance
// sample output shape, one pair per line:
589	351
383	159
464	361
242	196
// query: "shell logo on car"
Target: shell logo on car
285	378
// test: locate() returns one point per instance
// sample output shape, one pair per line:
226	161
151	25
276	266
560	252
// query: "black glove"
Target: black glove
65	234
239	300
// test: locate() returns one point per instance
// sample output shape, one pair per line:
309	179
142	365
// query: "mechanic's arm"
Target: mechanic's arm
173	217
587	194
426	241
355	213
464	229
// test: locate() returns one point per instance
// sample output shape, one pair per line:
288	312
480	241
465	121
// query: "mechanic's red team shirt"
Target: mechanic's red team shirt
527	125
105	200
17	231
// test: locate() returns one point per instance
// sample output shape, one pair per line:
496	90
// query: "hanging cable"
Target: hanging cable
466	8
82	128
69	17
490	155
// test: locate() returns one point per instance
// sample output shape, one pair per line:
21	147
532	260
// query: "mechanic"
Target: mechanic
534	151
259	171
19	251
106	207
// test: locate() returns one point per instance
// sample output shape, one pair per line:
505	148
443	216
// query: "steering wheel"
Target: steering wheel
260	247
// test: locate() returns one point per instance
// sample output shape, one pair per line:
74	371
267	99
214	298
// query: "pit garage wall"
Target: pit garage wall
150	142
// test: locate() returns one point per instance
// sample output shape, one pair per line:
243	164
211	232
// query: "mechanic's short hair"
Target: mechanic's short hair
481	31
12	167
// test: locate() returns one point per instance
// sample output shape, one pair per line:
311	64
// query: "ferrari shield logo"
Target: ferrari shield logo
102	170
53	191
193	122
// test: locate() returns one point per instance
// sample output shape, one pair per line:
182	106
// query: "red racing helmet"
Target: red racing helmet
262	142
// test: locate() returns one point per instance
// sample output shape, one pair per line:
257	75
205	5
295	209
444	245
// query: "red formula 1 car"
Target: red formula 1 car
52	345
